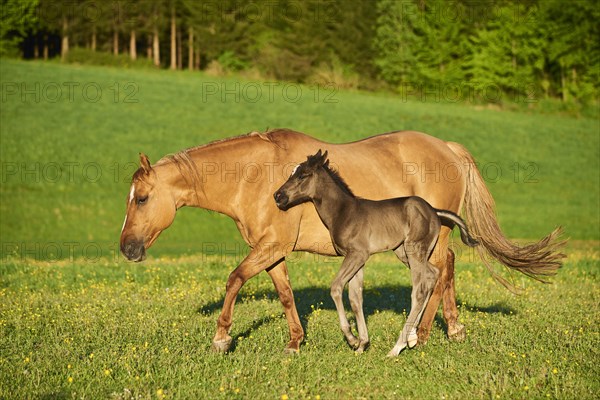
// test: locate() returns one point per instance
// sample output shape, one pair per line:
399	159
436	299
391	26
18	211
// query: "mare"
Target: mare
237	177
359	228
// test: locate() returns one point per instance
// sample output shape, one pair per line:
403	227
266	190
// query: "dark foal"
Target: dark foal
358	227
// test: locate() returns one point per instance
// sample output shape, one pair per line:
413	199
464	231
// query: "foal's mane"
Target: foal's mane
338	180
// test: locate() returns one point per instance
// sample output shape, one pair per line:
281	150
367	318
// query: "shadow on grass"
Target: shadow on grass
383	298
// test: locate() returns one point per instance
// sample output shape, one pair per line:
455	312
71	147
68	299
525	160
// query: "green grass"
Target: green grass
122	330
66	294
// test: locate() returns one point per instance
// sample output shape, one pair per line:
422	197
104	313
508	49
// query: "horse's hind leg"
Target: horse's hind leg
424	276
350	266
442	258
456	330
355	293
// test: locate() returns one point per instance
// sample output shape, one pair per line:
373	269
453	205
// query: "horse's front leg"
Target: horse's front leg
279	275
259	259
350	266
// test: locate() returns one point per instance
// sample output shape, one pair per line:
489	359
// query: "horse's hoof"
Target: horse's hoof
458	333
423	336
291	350
221	346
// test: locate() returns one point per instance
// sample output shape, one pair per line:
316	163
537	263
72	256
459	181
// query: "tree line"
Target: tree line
480	49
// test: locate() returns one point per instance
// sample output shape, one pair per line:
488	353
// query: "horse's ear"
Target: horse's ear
324	157
145	163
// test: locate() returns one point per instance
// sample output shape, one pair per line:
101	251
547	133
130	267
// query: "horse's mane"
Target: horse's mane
186	167
339	180
268	136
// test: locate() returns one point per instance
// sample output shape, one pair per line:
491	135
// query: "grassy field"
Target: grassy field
125	331
76	321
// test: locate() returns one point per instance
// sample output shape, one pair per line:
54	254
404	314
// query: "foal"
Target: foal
358	227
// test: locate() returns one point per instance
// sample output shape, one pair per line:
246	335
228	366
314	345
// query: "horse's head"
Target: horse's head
301	186
150	210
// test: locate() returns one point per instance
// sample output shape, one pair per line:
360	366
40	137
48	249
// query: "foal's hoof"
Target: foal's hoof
362	347
395	351
353	342
412	339
457	333
221	346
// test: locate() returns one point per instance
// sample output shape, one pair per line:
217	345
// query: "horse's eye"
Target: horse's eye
142	200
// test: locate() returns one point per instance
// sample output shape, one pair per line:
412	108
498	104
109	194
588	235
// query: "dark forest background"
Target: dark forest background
461	49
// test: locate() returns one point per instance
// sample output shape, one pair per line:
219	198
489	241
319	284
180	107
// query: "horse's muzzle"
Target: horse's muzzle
281	199
134	250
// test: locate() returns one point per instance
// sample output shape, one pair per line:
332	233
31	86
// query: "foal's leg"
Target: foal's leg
355	293
353	262
423	276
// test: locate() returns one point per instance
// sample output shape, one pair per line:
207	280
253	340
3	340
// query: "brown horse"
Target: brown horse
237	177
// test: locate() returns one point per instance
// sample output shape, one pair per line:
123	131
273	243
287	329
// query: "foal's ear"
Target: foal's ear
145	163
324	157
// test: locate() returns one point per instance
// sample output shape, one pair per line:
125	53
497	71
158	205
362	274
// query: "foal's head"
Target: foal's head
305	181
150	210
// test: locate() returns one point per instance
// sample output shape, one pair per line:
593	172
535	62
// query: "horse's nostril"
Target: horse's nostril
133	250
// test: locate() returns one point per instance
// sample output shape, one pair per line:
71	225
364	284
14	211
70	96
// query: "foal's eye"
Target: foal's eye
142	200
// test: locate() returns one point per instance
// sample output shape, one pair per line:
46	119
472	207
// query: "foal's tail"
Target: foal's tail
536	260
458	221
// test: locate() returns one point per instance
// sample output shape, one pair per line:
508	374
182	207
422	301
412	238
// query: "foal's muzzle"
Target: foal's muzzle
134	250
281	199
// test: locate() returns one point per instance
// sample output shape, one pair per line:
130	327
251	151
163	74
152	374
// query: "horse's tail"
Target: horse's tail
536	260
458	221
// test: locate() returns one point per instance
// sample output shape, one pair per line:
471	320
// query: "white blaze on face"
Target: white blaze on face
294	170
124	222
131	193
